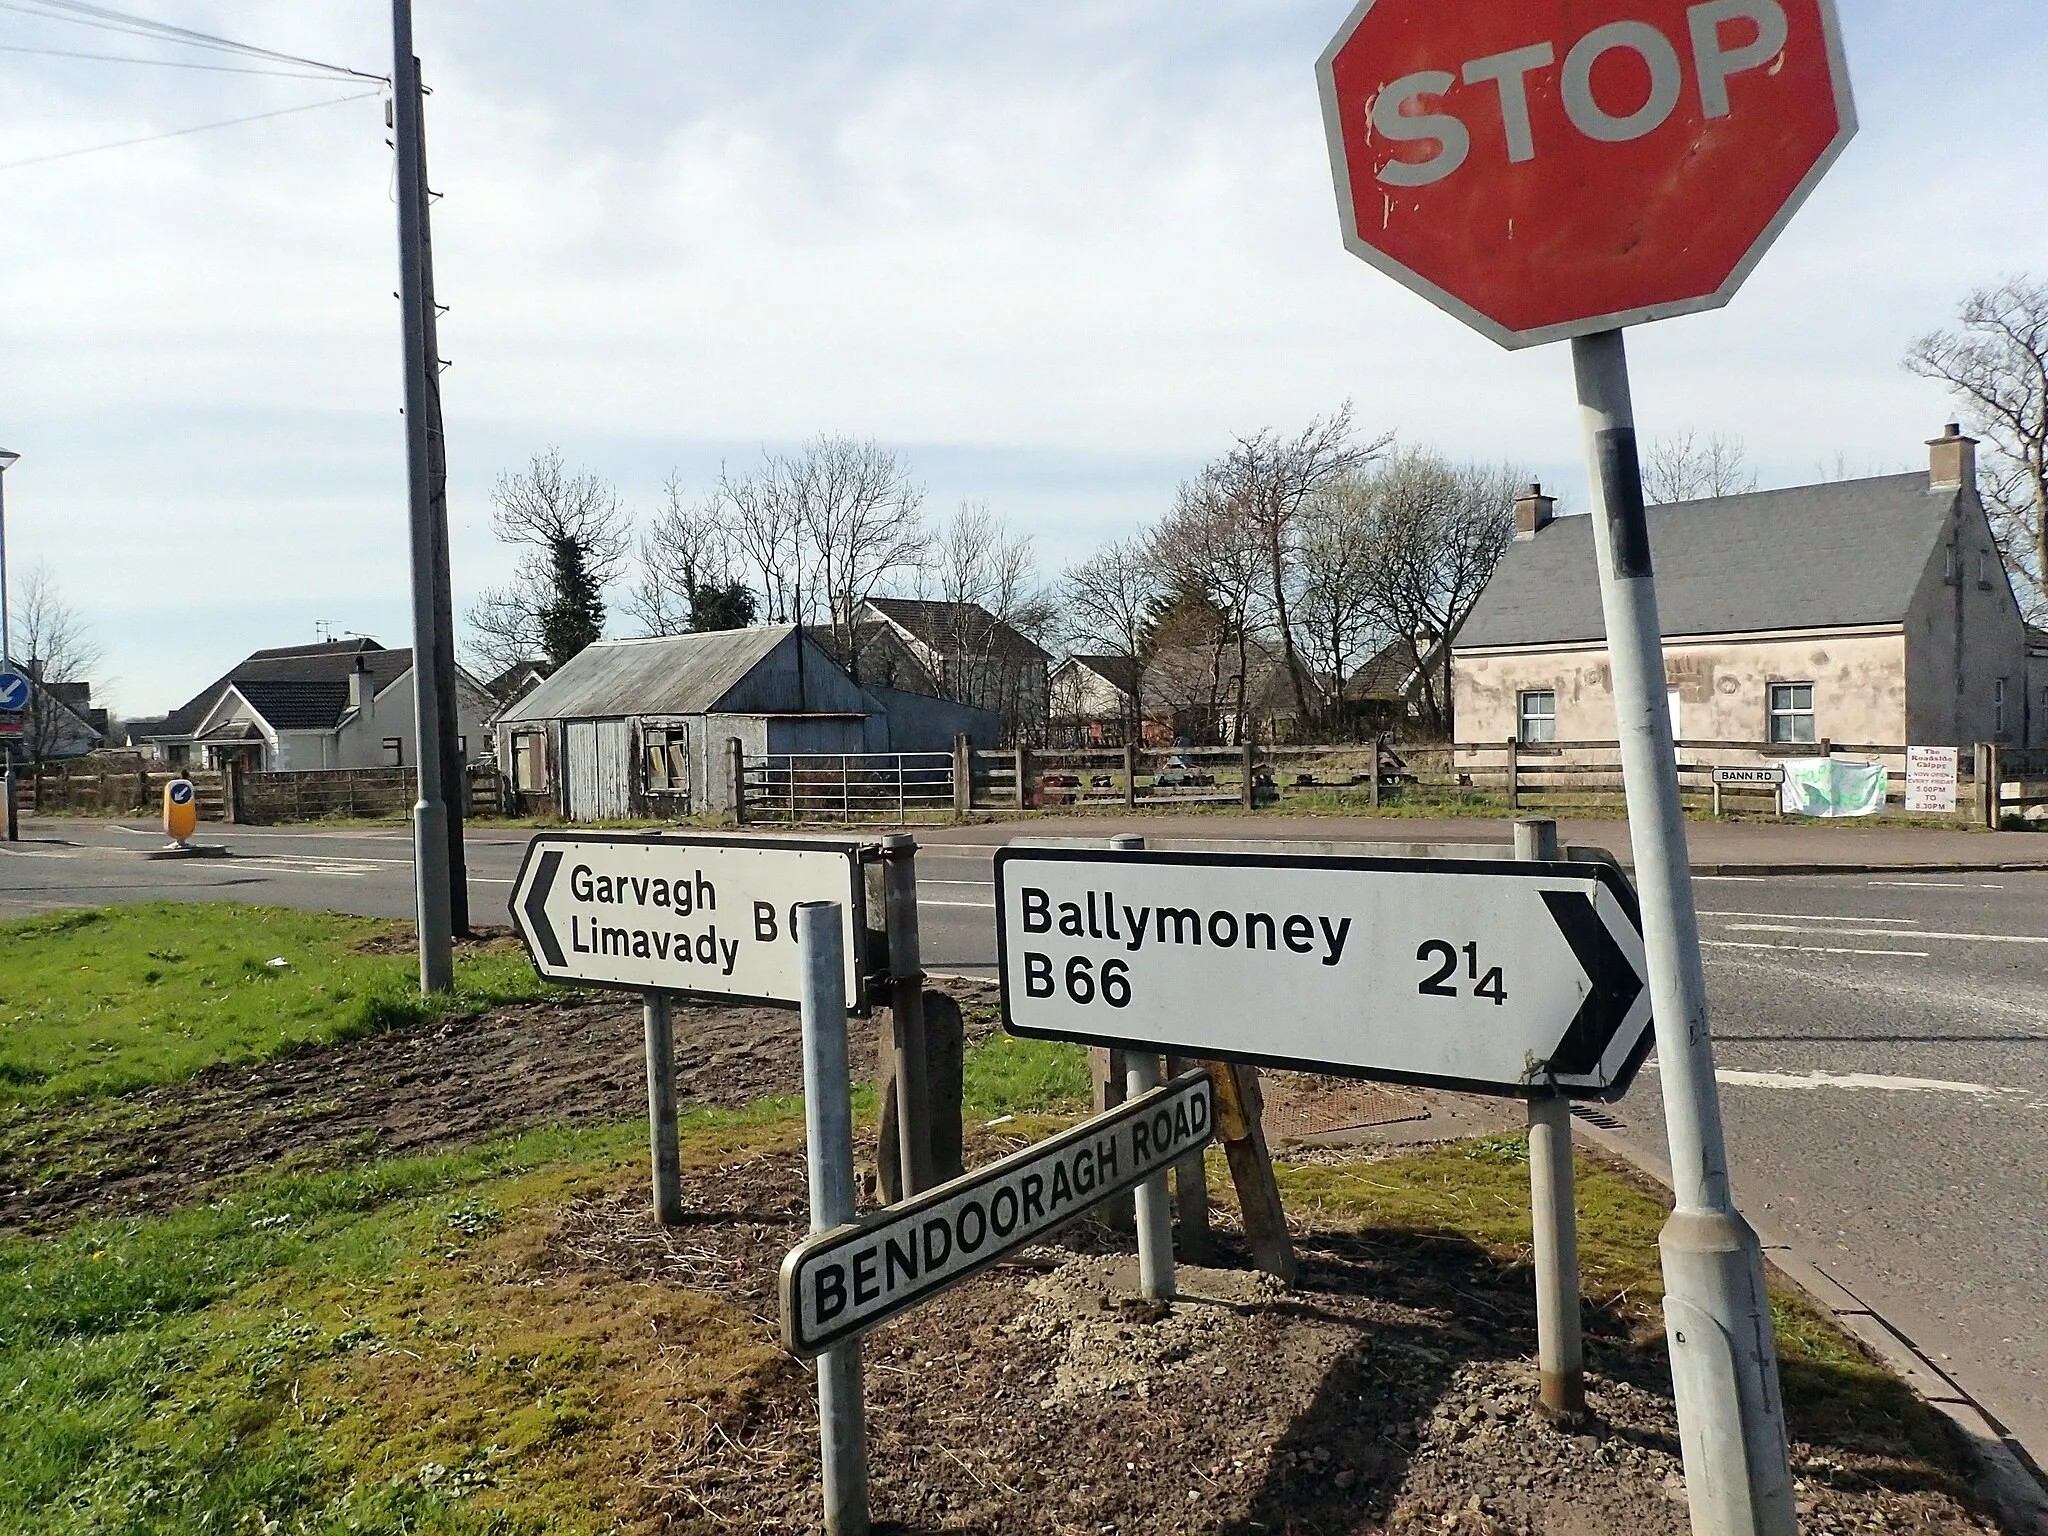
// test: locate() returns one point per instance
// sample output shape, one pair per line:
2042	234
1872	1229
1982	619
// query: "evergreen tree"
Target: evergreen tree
574	614
726	605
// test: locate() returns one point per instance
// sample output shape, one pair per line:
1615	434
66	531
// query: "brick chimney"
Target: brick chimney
361	690
1533	511
1951	458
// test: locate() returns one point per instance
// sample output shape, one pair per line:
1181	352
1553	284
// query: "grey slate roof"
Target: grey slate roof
1809	557
669	675
306	685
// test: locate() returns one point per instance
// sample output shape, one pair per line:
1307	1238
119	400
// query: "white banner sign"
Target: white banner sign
1931	780
1491	977
708	915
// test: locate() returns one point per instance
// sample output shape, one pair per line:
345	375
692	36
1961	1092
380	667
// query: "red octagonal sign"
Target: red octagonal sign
1552	168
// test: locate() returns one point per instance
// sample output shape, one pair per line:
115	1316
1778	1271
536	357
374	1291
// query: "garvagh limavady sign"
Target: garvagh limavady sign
1492	977
708	915
1545	171
841	1283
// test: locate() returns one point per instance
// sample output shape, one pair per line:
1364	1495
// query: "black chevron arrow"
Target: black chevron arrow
538	927
1615	984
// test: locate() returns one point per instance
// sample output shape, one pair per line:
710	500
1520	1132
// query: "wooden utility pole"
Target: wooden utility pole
454	759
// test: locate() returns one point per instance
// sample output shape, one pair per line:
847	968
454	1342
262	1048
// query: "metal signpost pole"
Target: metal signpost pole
1553	1212
1724	1363
7	460
429	817
828	1140
1154	1207
906	1010
661	1109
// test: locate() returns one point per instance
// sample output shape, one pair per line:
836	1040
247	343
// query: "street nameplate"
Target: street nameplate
839	1284
1485	976
714	916
1771	775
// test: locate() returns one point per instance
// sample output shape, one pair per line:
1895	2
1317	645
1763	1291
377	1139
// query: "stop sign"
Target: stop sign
1552	168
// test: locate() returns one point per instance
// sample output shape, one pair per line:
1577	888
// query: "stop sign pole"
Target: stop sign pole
1558	171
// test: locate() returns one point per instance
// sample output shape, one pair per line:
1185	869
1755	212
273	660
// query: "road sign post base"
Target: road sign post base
1717	1319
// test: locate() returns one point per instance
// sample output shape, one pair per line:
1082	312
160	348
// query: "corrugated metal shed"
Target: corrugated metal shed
1813	556
688	675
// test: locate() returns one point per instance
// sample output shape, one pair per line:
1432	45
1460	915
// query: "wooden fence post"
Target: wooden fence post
1190	1190
1996	792
1107	1087
1245	756
1514	775
1238	1124
1025	799
1980	771
963	774
1375	772
736	766
1130	775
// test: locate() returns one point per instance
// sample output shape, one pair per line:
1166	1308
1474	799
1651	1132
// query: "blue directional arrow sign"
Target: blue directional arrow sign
14	691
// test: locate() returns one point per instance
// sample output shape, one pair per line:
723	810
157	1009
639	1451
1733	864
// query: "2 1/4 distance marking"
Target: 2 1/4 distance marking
1445	955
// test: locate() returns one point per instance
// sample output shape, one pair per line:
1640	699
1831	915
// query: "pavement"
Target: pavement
1882	1030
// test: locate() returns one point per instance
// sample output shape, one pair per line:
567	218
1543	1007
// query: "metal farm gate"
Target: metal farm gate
848	787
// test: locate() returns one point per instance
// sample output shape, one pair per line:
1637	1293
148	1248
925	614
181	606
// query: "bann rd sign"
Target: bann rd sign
1486	976
841	1283
1549	170
712	916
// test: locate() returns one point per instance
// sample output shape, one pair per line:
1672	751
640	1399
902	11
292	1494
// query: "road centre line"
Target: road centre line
1805	917
1888	933
1937	885
1854	1081
984	906
1814	949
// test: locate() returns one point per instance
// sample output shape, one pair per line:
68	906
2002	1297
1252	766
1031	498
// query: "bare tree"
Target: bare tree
52	643
1439	529
862	519
1107	603
975	566
1267	482
690	568
1341	626
1687	468
765	524
1996	363
577	535
1214	565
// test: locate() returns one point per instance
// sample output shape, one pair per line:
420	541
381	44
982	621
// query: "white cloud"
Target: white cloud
1057	253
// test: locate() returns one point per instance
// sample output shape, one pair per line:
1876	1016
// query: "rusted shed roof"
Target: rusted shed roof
690	675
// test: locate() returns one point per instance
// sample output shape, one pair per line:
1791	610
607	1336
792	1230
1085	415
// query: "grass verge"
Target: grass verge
104	1000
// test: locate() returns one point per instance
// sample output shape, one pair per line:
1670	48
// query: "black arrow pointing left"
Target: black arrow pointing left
541	931
1615	984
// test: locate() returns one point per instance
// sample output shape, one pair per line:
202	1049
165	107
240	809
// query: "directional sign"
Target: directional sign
714	916
14	691
181	809
844	1282
1552	170
1489	977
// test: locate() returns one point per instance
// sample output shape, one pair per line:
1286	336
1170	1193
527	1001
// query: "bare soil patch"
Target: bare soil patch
453	1082
1391	1391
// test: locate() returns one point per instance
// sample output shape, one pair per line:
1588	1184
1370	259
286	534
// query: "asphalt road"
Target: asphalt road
1882	1051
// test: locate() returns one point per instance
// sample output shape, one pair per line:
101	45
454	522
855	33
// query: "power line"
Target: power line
176	133
102	18
121	58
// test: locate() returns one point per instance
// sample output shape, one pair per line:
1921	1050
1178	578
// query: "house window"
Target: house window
1998	707
529	763
462	747
1792	713
666	769
1538	716
1948	562
1984	569
394	751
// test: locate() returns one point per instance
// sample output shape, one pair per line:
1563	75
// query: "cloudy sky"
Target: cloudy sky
1055	253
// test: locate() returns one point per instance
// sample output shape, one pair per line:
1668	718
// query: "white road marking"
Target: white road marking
1814	949
986	885
1731	879
1936	885
1854	1081
1805	917
985	906
24	853
1887	933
